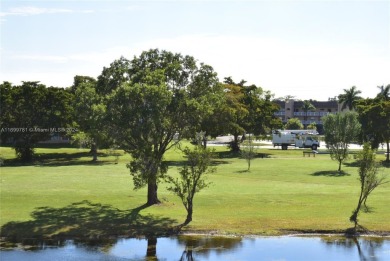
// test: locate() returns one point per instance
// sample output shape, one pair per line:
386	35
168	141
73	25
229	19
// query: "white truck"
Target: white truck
296	138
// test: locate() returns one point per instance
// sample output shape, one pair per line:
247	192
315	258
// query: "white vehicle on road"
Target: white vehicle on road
296	138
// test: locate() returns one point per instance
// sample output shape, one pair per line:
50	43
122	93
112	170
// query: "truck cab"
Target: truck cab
307	142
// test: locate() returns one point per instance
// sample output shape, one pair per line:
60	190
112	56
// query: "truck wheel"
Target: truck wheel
314	147
284	147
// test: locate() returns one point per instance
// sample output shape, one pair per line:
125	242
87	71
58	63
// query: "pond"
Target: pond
187	247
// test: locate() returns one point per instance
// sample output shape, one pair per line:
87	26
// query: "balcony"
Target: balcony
311	113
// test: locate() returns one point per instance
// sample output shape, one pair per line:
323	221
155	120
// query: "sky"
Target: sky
308	49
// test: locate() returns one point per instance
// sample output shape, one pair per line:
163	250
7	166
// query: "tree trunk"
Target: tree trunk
24	150
234	144
204	141
339	166
189	214
152	193
355	214
94	151
26	154
388	151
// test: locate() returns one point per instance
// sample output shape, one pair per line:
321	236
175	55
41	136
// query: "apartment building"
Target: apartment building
293	109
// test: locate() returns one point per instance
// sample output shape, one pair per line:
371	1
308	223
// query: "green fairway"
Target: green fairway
64	193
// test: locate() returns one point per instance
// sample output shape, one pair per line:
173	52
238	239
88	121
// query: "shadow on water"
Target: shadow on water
86	220
197	247
331	173
365	248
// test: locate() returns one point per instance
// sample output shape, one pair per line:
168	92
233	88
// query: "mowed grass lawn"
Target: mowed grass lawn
283	192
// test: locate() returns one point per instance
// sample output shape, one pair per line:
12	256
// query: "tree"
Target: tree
312	126
340	130
384	93
90	112
31	113
113	76
368	177
374	115
307	106
191	179
163	94
78	80
349	98
233	114
293	124
142	124
285	98
249	110
261	118
248	150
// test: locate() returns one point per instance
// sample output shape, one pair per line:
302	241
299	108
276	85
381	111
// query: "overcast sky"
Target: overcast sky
308	49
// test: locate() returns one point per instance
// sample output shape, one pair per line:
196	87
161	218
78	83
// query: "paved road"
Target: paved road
222	140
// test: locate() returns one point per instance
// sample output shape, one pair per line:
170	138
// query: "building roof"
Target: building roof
317	104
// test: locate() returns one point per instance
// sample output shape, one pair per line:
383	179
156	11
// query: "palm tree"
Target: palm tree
349	98
384	92
307	106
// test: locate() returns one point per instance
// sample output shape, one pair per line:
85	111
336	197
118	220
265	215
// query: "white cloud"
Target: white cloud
31	10
44	58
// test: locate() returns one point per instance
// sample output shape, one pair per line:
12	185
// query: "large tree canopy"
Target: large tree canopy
374	115
340	130
162	96
31	113
248	109
90	113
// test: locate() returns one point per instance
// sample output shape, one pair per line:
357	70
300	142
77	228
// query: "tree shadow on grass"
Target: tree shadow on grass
86	220
331	173
219	158
385	164
226	154
243	171
59	159
352	164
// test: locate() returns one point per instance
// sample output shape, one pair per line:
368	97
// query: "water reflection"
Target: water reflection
151	249
189	248
366	247
202	246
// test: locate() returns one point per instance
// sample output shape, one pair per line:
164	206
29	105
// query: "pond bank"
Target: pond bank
12	242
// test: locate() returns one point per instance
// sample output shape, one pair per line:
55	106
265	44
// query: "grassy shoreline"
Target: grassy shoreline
64	194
